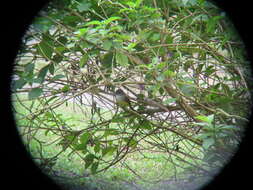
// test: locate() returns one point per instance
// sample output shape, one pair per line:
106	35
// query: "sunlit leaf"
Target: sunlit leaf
121	59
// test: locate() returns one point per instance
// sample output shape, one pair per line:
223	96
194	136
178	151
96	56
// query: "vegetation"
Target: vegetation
182	66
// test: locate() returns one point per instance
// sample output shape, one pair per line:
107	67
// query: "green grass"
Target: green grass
150	166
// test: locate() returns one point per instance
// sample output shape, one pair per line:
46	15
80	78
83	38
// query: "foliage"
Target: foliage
180	62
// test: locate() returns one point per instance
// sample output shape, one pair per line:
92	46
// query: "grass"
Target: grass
151	167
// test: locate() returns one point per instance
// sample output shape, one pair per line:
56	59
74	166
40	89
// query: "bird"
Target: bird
122	100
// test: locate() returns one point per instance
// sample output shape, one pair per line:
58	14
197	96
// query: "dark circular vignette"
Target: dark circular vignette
19	169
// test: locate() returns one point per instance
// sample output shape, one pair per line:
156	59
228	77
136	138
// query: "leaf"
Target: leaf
169	73
94	22
83	6
117	119
51	68
62	39
83	60
107	60
17	84
109	132
45	47
108	150
43	72
56	77
80	147
211	23
187	89
121	59
209	119
107	45
202	136
146	125
208	142
133	143
94	167
65	88
131	46
229	127
57	58
85	137
170	100
97	147
29	67
109	20
50	99
47	131
89	160
34	93
155	37
202	118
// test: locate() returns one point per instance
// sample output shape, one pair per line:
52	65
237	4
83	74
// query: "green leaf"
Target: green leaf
155	37
202	118
202	136
121	59
94	167
80	147
187	89
94	22
89	160
51	69
107	60
146	125
29	67
209	119
65	88
43	72
211	23
84	6
169	73
97	147
34	93
229	127
57	58
62	40
109	132
118	119
133	143
131	46
17	84
82	32
170	100
109	20
56	77
83	60
161	65
46	47
85	137
107	45
46	132
108	150
208	142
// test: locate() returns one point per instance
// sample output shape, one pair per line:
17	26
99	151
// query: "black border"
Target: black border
19	170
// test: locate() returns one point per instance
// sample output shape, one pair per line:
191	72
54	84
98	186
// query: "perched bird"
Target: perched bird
122	100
